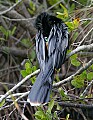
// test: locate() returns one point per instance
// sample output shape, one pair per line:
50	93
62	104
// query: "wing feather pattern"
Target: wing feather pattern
58	44
40	50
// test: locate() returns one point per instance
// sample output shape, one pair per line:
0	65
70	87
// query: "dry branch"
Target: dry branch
14	51
19	84
15	15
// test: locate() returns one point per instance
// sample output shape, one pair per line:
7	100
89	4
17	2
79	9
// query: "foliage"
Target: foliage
29	68
6	32
74	60
32	8
48	115
2	103
64	16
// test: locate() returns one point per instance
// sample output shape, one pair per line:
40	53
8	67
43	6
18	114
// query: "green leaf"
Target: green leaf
58	106
2	103
23	73
91	66
34	68
29	70
33	79
32	5
67	117
27	65
75	62
52	2
90	76
33	54
30	11
40	115
70	25
63	95
84	75
74	56
55	115
3	30
26	42
78	81
74	24
63	15
61	92
16	1
7	34
50	106
72	8
13	30
68	51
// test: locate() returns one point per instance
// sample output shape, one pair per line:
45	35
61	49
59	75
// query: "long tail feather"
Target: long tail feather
41	89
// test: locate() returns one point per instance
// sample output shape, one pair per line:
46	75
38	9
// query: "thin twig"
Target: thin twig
25	19
80	48
58	84
68	104
86	36
19	84
87	89
4	12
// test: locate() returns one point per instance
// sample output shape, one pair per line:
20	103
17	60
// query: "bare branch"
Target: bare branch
58	84
87	89
85	36
67	104
14	51
19	84
80	48
4	12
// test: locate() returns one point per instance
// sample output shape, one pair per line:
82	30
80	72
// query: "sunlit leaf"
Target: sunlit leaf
2	103
67	117
50	106
76	22
32	5
78	81
23	73
63	15
75	62
13	30
90	76
27	65
65	10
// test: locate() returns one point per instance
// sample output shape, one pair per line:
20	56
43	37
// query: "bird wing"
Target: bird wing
58	44
40	49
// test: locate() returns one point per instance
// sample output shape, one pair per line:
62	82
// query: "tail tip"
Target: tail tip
35	103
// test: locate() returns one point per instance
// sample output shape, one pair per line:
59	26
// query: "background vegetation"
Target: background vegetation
72	95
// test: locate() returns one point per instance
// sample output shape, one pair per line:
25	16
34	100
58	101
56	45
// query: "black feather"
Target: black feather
55	31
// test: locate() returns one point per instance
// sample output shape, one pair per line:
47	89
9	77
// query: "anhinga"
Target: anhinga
51	48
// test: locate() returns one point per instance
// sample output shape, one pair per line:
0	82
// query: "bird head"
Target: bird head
44	23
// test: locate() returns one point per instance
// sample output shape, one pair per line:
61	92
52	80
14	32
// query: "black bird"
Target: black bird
51	48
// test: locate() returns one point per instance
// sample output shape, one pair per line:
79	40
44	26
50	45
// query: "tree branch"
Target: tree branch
19	84
15	15
14	51
58	84
68	104
7	10
80	48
